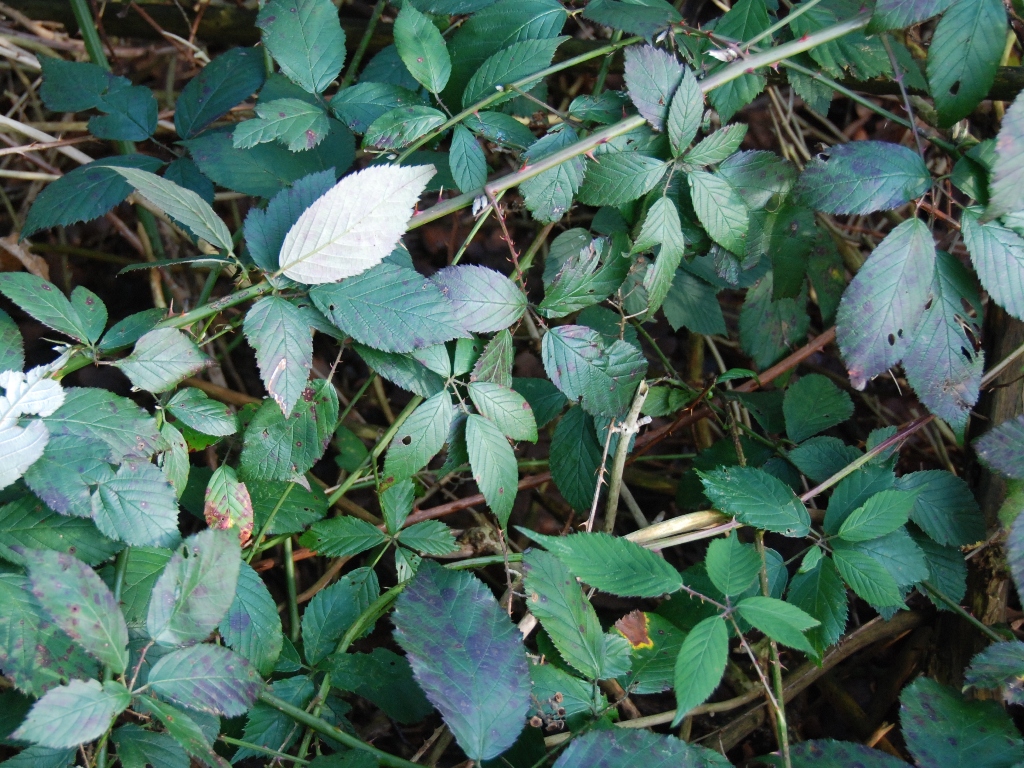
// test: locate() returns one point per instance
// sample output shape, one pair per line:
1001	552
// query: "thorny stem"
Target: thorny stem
780	688
626	430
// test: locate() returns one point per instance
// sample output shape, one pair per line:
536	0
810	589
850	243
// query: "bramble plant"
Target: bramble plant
130	632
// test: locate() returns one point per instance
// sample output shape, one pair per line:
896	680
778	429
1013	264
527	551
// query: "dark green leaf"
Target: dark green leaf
516	62
700	664
144	566
431	537
575	458
419	438
72	86
194	592
383	677
883	513
732	566
137	748
207	678
883	303
126	332
964	55
403	370
306	39
623	748
944	507
494	465
91	311
812	405
469	166
402	126
225	82
898	554
452	629
821	457
550	194
131	115
73	714
854	490
333	610
759	177
43	301
717	147
342	537
898	14
252	626
481	300
556	599
685	113
997	253
652	77
780	621
268	727
691	303
758	499
81	605
941	728
720	209
827	275
862	177
278	448
360	105
12	348
827	752
582	366
638	572
616	178
768	327
582	280
505	130
28	523
820	592
640	18
862	56
1001	665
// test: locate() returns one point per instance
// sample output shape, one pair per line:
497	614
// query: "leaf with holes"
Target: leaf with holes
881	307
81	605
419	438
354	226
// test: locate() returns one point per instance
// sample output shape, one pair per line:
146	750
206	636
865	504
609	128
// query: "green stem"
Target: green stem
211	281
986	630
364	43
606	65
266	526
357	396
783	22
293	600
735	70
318	725
120	568
263	750
776	662
211	309
91	37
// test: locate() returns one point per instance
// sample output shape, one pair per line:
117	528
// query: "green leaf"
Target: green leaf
661	227
137	748
278	448
182	205
827	274
550	193
732	566
43	301
941	728
161	359
90	413
207	678
482	300
419	438
137	506
185	173
862	56
200	413
516	62
194	592
402	126
226	81
72	86
899	14
821	457
28	523
306	39
781	621
508	410
73	714
1007	192
1000	447
768	327
468	163
997	253
944	507
575	458
756	498
652	77
718	146
814	404
556	599
295	512
720	209
692	303
431	537
495	362
820	593
963	57
281	336
615	178
132	115
494	465
396	504
403	370
644	18
1001	665
654	645
759	177
333	610
685	113
883	303
252	625
580	281
943	363
361	104
897	552
827	752
12	347
353	226
863	177
268	727
743	21
144	566
184	730
422	49
91	311
383	677
700	664
452	629
582	366
342	537
294	122
80	604
622	748
544	398
126	332
506	131
868	578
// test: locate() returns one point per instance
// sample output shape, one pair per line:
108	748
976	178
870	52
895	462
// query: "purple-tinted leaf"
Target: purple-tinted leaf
997	253
252	626
1002	448
207	678
81	605
814	754
862	177
652	76
73	714
882	305
482	300
627	748
1008	177
1001	665
467	656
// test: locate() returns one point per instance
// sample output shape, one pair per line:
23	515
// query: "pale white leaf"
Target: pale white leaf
20	448
354	225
